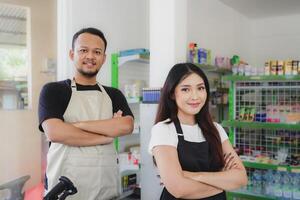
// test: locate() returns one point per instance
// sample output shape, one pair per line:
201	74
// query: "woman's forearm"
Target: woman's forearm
195	190
226	180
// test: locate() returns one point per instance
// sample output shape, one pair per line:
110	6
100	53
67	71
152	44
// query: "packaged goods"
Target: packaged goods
267	68
208	57
288	67
280	67
202	53
295	67
273	67
242	114
251	114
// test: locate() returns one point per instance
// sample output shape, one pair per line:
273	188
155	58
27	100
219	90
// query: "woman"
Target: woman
193	154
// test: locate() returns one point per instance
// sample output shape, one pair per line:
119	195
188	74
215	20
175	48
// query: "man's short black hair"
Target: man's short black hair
90	30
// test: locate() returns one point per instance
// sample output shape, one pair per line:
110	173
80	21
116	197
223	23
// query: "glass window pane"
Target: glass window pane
14	54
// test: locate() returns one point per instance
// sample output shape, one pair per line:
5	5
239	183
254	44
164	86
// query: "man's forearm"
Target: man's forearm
61	132
109	127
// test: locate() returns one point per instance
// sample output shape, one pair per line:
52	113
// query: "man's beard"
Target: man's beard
88	74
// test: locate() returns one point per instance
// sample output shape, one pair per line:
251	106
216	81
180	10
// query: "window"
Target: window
14	57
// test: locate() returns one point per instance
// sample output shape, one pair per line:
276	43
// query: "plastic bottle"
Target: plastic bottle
277	190
250	182
296	186
257	182
287	186
269	182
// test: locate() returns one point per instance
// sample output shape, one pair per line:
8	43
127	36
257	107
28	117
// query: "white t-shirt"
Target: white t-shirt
165	134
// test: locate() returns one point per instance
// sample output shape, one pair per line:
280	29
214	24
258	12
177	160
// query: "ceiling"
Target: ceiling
12	25
264	8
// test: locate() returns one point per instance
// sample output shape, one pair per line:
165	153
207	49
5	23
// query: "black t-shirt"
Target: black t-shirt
55	97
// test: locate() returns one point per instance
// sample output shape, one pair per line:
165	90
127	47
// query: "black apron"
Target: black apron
193	157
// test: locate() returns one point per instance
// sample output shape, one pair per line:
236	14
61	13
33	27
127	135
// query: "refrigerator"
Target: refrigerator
150	183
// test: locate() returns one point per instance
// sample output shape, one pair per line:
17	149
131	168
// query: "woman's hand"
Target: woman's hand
191	175
229	162
118	114
76	124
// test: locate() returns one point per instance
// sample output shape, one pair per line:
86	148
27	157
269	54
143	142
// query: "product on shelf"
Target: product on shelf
281	67
132	90
273	184
267	67
269	151
247	114
193	55
199	55
151	95
129	182
295	67
288	67
273	67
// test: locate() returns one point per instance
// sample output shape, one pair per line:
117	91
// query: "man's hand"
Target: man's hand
106	139
109	139
115	126
116	115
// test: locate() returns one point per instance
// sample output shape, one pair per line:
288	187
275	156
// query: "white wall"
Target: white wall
20	148
276	38
124	23
168	36
226	32
215	26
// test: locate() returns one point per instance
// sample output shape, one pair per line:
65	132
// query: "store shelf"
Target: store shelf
136	55
249	195
126	194
219	89
129	168
256	165
260	125
260	78
213	68
269	138
133	100
136	58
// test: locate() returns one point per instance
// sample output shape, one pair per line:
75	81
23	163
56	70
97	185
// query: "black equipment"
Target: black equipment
61	190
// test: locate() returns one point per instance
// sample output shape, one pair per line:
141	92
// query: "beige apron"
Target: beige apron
93	170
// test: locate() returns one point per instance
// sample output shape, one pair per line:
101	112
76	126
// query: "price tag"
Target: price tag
295	170
282	168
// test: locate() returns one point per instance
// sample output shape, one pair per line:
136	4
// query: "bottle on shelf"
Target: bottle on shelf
257	181
277	190
295	184
287	188
268	186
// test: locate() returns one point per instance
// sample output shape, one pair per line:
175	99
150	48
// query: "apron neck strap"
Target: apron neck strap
178	127
74	87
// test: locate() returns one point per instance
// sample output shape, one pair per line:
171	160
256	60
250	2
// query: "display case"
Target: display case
130	73
264	128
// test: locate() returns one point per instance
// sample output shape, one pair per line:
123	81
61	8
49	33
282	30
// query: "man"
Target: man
81	117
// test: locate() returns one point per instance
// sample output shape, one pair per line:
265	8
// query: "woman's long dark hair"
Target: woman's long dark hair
167	108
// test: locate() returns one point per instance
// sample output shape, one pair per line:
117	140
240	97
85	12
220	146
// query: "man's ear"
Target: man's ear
104	58
71	54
